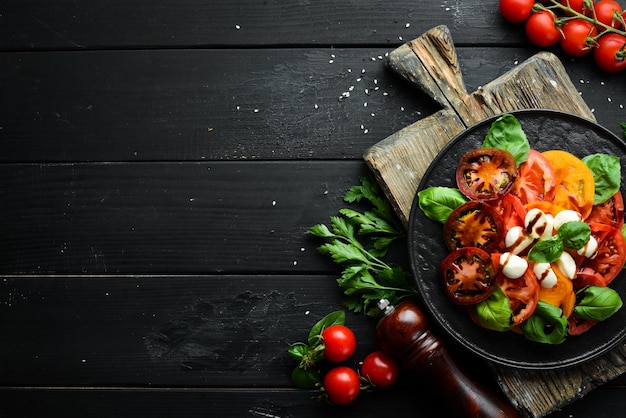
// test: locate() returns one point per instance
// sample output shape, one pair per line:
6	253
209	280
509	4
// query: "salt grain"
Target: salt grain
237	27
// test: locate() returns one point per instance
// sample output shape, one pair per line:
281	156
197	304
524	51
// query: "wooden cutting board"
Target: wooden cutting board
399	162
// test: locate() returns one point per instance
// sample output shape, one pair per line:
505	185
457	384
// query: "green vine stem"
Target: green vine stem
573	14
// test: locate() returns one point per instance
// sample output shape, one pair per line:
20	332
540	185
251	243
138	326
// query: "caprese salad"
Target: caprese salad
534	238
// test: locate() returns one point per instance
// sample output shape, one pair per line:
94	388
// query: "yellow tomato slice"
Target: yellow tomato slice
546	207
574	182
561	294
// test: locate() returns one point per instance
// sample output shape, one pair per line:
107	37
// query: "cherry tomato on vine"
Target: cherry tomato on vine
342	385
468	275
606	11
576	40
610	54
380	368
516	11
486	173
576	5
339	343
541	29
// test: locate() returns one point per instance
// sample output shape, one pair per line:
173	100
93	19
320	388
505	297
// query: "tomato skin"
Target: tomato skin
523	294
342	385
610	53
468	275
611	255
339	343
610	212
516	11
474	224
380	368
512	211
605	10
541	29
486	173
576	5
576	37
577	326
535	179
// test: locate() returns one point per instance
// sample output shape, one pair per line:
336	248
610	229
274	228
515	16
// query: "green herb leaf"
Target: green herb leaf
333	318
495	312
546	325
574	234
546	251
606	171
438	202
623	125
305	378
506	133
298	350
598	303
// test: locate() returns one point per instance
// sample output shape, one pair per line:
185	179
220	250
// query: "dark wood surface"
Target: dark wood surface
160	164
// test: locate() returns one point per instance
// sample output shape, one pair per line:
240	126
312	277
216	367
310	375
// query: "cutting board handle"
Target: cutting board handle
404	332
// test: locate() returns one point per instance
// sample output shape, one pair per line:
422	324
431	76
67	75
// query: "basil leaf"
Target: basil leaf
298	350
574	234
506	133
495	312
598	303
606	171
333	318
305	378
546	251
438	202
546	325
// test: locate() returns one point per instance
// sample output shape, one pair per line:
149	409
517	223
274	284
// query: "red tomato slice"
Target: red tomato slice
611	253
535	179
578	325
474	224
610	212
511	209
588	277
486	173
468	275
523	294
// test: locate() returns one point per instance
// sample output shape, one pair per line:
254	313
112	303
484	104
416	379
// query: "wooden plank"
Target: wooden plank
169	217
397	402
27	24
200	104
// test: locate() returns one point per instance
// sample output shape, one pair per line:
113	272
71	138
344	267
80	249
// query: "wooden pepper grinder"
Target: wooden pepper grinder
403	331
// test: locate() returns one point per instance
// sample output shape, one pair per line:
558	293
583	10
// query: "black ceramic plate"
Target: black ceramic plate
545	130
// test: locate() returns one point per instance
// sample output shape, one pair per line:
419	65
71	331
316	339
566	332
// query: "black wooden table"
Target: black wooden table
160	163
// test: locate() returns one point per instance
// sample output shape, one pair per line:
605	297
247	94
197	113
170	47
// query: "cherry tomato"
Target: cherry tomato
511	209
575	186
576	5
541	29
610	53
523	294
474	224
486	173
342	385
516	11
561	294
468	275
611	253
606	11
339	343
380	368
535	179
610	212
577	37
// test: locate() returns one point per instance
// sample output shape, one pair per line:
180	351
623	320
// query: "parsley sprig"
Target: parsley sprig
358	241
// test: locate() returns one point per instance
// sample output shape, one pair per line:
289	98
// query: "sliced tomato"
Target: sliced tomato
575	187
535	179
561	294
611	253
523	294
588	277
468	275
577	326
474	224
546	207
511	209
610	212
486	173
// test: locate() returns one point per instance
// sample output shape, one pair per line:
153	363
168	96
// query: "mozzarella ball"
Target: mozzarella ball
564	216
545	275
513	266
516	240
538	224
590	248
